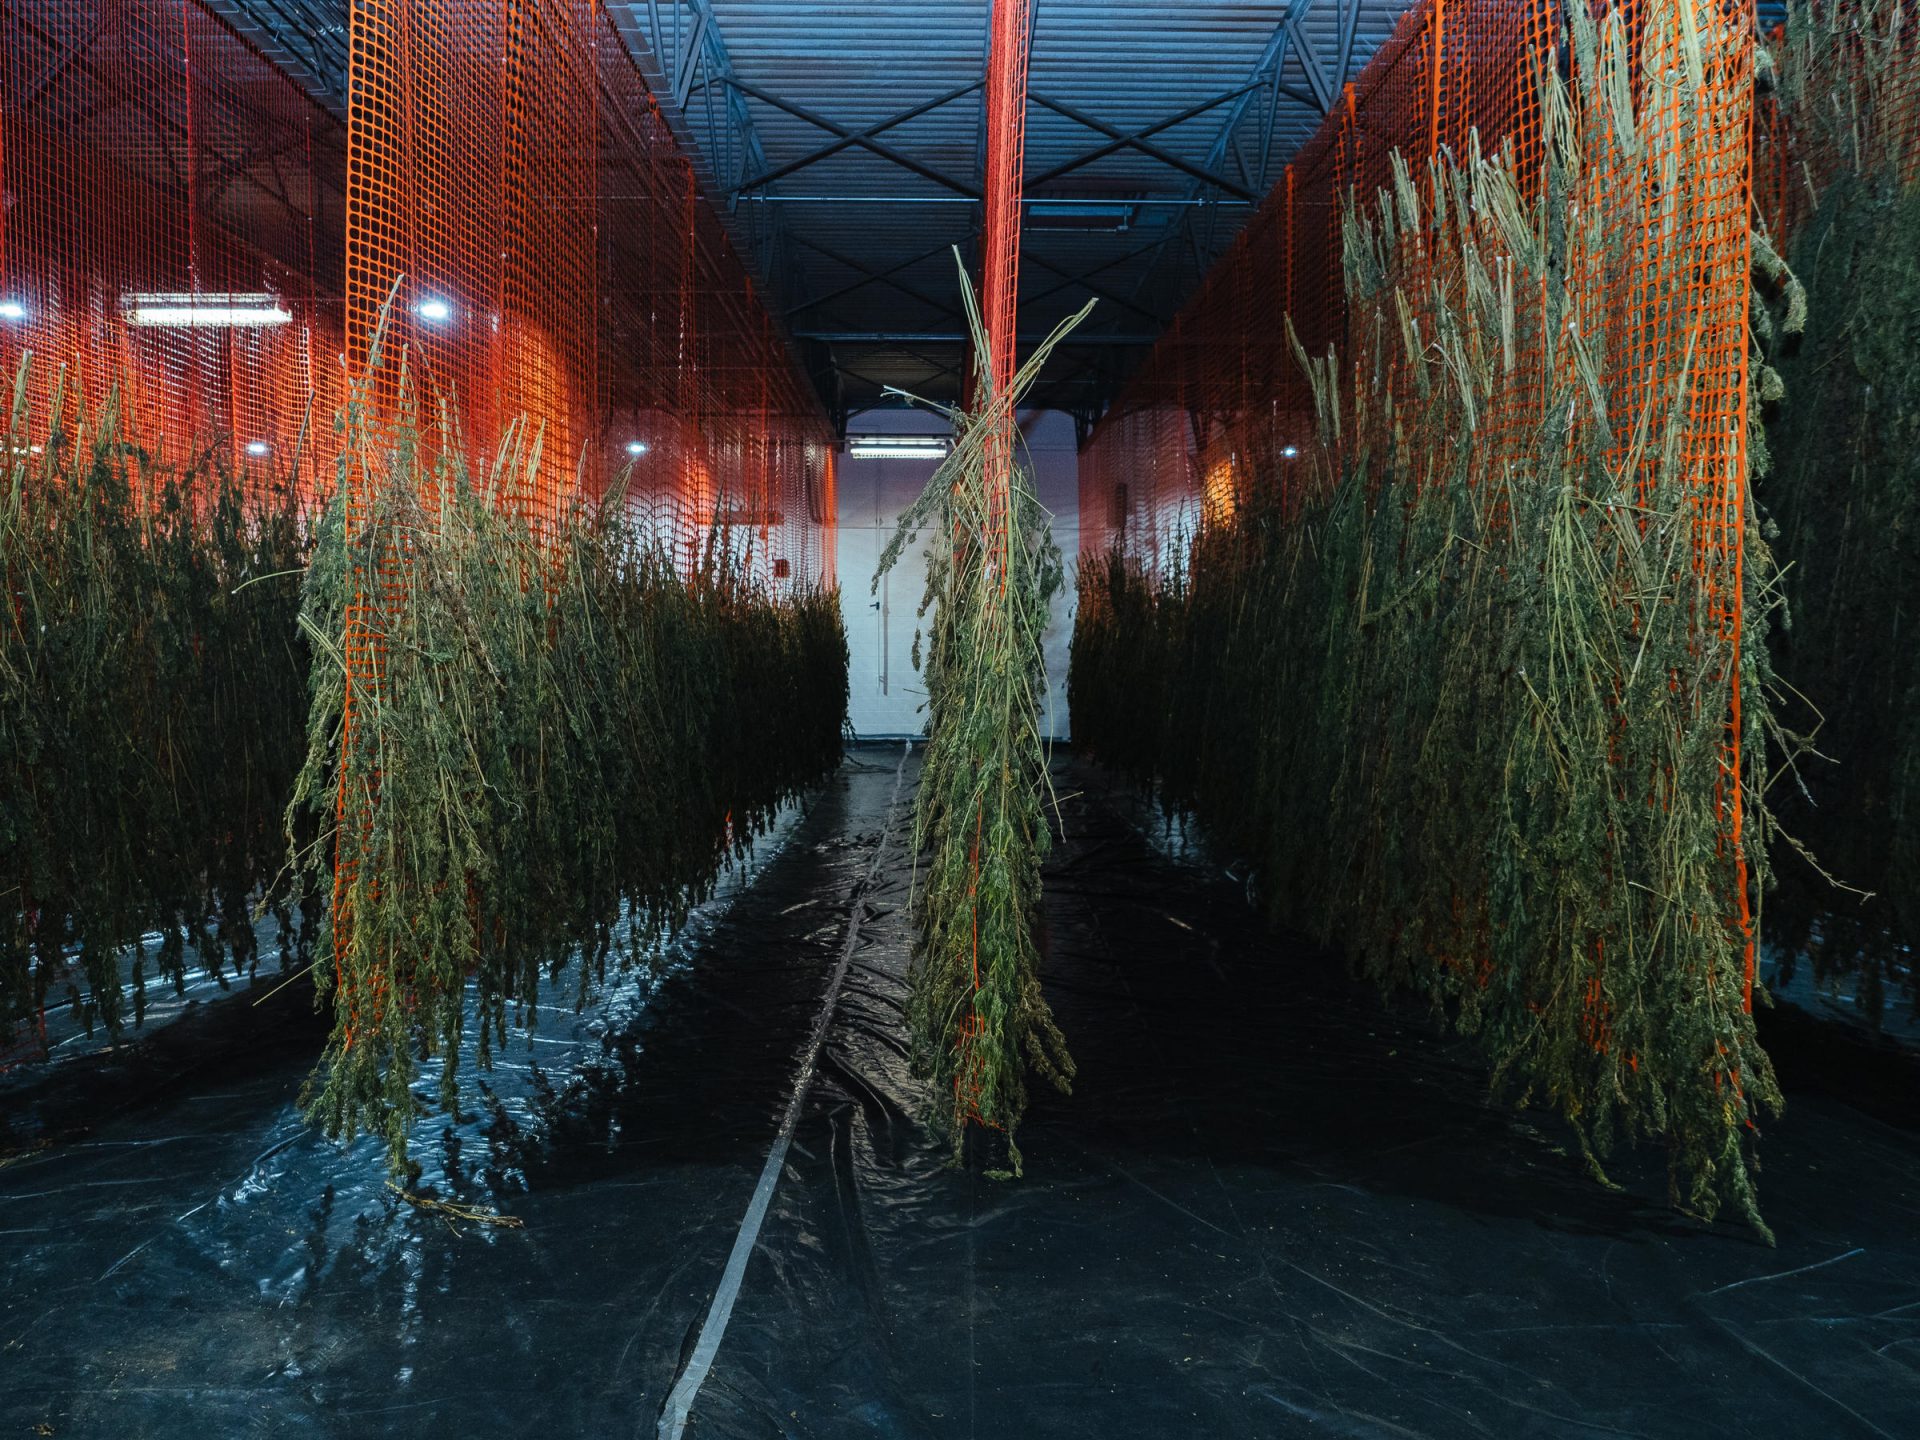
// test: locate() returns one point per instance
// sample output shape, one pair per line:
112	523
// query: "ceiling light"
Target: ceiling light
1079	215
258	448
12	310
637	447
434	310
897	447
194	311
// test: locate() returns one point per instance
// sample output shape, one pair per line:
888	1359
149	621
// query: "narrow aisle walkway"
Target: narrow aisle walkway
184	1258
1275	1208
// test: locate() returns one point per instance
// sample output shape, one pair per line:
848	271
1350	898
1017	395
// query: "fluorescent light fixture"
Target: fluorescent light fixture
196	311
434	310
897	447
1078	215
258	448
637	447
1291	452
12	310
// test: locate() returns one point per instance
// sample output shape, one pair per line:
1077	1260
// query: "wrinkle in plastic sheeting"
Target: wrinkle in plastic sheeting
1274	1206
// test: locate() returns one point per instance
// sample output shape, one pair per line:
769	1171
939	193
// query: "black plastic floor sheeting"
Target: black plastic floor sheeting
182	1257
1274	1207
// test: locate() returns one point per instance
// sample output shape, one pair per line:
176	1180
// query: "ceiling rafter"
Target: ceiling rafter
888	279
1206	174
1133	139
1081	277
1081	280
1289	40
681	54
867	277
862	138
1318	80
851	139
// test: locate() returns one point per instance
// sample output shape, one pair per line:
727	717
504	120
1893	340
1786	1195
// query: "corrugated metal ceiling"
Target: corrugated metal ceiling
857	242
306	38
1152	127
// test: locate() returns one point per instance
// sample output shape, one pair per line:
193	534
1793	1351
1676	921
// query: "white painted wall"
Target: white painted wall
886	693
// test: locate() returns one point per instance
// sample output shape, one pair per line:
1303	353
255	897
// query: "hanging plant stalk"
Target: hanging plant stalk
149	709
978	1018
562	746
1844	486
1469	707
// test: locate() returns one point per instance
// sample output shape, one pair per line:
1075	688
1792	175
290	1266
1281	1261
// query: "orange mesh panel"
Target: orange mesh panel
146	148
698	393
1216	407
518	214
471	158
1237	401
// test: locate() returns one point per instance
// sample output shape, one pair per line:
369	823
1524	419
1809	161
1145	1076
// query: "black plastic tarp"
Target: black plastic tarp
1274	1206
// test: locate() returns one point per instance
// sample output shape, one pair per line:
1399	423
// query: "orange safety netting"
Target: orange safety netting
1221	404
1859	62
147	150
513	177
507	159
523	231
1008	46
1220	398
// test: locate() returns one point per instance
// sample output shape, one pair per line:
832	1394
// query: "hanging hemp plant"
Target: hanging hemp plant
1471	706
150	679
1845	483
560	746
978	1018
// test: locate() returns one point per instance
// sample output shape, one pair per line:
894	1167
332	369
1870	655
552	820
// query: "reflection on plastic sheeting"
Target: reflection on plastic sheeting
1273	1207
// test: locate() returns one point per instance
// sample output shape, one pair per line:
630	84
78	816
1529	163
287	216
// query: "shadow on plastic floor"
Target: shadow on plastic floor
1276	1207
182	1256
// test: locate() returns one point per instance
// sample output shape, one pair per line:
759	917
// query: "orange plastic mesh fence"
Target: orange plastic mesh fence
1009	38
693	367
521	224
1863	55
555	265
1220	402
470	176
148	151
1220	398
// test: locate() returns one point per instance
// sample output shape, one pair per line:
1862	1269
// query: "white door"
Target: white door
885	692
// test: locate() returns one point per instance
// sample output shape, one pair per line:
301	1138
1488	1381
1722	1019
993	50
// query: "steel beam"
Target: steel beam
683	57
297	37
1285	40
1349	26
1123	142
1323	88
906	338
856	137
859	137
1084	281
1086	275
1147	147
872	276
868	277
